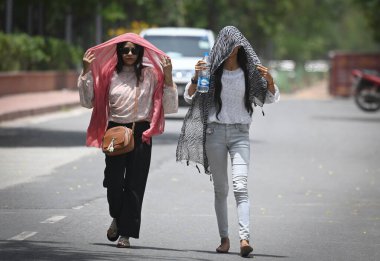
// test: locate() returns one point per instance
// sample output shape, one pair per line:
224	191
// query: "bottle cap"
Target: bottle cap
205	54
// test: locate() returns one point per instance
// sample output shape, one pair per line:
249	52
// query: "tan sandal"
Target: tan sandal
123	242
224	245
245	248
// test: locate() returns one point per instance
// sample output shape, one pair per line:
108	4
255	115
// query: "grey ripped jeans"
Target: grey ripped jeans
233	139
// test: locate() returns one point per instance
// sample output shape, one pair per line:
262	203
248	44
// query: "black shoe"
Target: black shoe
245	248
224	245
112	233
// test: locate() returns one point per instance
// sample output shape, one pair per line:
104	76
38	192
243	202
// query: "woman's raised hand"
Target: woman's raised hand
167	68
88	58
166	65
264	71
267	76
199	66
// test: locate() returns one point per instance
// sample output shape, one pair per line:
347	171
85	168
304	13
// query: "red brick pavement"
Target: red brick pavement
28	104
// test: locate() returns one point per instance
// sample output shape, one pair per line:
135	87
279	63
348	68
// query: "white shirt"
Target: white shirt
232	96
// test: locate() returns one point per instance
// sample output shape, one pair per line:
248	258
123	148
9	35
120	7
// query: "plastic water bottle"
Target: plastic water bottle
204	76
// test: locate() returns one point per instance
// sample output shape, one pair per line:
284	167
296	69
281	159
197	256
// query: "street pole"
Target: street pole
98	24
9	16
68	27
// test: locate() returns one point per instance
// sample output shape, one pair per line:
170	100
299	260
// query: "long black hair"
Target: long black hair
242	61
138	63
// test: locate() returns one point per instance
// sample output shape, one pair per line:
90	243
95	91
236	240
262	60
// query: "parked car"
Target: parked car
185	46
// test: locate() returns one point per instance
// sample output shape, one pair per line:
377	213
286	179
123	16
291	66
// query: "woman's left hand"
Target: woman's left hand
264	71
167	69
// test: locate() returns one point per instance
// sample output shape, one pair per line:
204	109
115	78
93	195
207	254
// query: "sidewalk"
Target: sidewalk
318	91
29	104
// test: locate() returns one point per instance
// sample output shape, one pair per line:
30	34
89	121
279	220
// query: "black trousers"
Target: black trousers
125	178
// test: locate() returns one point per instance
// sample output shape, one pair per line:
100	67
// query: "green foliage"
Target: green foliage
23	52
310	29
371	9
113	13
278	29
61	55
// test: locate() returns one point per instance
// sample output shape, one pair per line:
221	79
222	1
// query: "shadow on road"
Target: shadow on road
273	256
236	253
42	250
33	137
192	250
144	247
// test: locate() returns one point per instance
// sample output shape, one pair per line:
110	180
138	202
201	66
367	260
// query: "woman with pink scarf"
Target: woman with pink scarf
126	80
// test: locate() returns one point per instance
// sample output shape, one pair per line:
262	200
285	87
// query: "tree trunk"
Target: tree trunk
9	16
69	27
98	24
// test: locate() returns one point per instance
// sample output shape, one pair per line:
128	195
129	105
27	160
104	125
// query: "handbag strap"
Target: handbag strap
135	105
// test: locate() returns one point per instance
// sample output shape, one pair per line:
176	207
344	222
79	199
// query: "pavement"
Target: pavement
30	104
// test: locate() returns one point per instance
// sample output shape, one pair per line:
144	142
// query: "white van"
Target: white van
185	46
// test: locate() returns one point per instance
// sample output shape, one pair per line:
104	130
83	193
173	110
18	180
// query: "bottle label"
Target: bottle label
203	81
203	84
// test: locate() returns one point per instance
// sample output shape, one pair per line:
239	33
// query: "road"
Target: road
314	190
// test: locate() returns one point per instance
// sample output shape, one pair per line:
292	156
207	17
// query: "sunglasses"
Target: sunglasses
127	50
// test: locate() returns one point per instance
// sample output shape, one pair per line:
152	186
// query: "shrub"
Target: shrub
20	52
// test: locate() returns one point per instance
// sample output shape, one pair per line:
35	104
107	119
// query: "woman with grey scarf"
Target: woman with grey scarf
217	124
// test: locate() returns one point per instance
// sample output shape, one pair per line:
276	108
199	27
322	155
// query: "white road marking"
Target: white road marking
24	235
78	207
53	219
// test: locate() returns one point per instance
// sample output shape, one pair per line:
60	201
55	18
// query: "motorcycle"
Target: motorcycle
366	87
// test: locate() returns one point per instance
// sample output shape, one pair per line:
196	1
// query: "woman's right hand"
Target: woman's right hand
199	66
88	58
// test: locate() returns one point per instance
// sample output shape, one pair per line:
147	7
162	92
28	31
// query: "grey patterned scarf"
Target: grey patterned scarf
192	140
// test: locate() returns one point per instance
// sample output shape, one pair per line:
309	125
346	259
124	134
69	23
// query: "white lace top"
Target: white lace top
232	95
122	94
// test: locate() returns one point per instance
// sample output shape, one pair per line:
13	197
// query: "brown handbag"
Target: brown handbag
120	140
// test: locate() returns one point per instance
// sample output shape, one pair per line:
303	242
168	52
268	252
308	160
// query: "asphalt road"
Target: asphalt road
314	190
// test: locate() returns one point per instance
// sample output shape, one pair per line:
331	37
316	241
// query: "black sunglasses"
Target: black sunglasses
127	50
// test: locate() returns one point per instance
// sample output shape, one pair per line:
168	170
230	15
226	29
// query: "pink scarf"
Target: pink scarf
103	68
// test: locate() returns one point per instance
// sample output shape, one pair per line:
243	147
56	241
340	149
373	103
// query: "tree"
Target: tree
286	29
371	9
